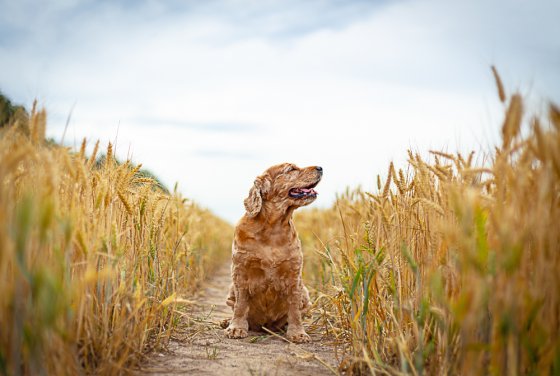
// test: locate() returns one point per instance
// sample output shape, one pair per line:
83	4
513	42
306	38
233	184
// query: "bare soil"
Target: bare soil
202	349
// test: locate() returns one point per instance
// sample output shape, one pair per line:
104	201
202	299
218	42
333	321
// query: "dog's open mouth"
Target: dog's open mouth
303	192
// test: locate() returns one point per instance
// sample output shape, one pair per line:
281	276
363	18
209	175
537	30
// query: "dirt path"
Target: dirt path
202	348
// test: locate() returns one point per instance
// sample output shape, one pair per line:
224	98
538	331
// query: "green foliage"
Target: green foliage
10	112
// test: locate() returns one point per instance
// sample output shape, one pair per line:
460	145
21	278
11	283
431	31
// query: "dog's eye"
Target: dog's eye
291	168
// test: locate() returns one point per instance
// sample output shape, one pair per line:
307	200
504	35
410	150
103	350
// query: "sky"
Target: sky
208	94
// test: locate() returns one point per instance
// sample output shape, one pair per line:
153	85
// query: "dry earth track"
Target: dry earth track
202	349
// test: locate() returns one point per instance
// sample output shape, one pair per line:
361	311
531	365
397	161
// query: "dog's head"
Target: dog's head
285	186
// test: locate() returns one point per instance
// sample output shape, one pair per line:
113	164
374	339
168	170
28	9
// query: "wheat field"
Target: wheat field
449	266
95	257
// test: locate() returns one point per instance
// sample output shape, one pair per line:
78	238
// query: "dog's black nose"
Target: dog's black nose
319	168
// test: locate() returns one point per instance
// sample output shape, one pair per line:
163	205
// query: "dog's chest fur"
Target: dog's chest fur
267	262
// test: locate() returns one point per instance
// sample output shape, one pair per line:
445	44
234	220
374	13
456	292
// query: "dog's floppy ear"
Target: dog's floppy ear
253	203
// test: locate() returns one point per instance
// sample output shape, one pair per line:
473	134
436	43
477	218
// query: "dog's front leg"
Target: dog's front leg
296	333
238	327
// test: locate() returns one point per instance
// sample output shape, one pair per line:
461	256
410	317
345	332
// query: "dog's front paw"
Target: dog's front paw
298	337
235	332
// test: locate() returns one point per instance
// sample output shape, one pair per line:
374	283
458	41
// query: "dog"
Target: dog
267	289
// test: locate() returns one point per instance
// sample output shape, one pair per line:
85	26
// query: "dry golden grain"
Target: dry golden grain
109	156
410	156
444	155
512	121
123	199
439	172
499	85
91	159
554	115
400	185
446	170
479	170
82	152
136	169
148	181
470	159
402	181
432	205
388	181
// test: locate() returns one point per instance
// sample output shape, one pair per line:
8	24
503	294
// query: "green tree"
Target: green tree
10	113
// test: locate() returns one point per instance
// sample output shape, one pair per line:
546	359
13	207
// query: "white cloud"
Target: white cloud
349	93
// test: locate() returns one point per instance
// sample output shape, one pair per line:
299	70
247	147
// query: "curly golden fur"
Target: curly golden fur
267	289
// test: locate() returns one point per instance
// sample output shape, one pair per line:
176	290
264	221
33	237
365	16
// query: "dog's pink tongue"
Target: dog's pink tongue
310	190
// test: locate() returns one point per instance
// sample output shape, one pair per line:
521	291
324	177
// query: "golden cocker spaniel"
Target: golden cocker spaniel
267	289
